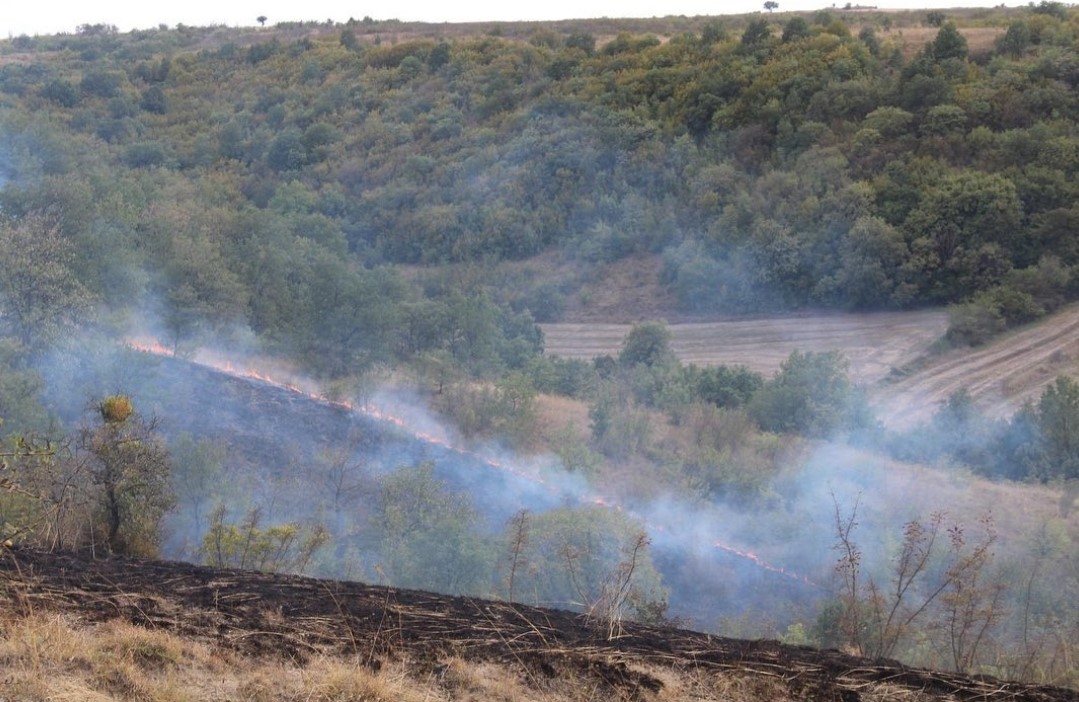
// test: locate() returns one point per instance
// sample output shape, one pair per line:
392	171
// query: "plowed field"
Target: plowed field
888	352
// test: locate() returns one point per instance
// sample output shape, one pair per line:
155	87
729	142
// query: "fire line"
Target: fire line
227	367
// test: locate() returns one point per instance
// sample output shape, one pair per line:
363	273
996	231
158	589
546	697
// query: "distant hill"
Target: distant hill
837	159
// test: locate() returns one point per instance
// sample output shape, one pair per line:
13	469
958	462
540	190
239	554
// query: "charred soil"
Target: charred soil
296	618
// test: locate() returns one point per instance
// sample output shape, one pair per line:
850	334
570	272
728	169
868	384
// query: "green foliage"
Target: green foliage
1058	422
284	548
428	537
723	386
42	296
409	161
811	395
647	343
935	18
129	468
62	92
582	557
949	43
1038	442
20	385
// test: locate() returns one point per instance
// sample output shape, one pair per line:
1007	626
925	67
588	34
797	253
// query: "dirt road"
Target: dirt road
999	376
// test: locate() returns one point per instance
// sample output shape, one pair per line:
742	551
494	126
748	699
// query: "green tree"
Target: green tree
427	536
20	385
585	557
965	232
871	258
128	464
757	33
648	343
41	298
949	43
796	28
1058	423
812	395
282	548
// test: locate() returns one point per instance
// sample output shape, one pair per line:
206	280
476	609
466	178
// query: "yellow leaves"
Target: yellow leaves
116	408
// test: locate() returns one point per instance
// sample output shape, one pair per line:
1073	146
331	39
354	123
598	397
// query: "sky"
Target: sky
55	16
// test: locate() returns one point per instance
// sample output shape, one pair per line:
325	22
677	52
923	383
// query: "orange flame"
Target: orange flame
154	347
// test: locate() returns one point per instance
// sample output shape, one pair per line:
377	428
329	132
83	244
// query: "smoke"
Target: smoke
298	457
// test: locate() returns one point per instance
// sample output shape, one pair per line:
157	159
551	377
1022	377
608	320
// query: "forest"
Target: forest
393	208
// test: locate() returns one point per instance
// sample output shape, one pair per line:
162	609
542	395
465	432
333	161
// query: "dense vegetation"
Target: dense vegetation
777	162
375	198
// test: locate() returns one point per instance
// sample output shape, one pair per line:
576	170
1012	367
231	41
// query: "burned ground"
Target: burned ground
295	618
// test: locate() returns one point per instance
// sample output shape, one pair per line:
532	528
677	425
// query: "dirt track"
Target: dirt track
887	352
1000	376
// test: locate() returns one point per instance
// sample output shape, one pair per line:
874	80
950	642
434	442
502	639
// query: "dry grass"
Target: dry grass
555	413
54	658
911	40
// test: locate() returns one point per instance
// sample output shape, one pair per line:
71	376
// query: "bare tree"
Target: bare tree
875	619
518	526
971	603
607	605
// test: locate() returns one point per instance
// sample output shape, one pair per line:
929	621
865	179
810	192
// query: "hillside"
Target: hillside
393	644
369	264
796	161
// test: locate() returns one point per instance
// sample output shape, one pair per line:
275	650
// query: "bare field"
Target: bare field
999	376
873	343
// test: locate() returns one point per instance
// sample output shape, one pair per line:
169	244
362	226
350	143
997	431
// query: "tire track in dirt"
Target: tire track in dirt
999	377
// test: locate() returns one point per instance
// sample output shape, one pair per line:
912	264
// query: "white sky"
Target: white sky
55	16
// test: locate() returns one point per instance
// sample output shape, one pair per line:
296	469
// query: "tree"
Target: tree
811	395
757	33
592	558
283	548
796	28
771	5
427	536
1058	421
954	599
261	19
41	298
583	41
965	233
128	464
949	43
20	384
647	343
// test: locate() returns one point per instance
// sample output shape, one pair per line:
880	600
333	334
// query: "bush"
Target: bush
811	395
973	323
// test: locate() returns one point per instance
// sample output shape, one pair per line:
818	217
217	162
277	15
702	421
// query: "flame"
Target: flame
226	366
